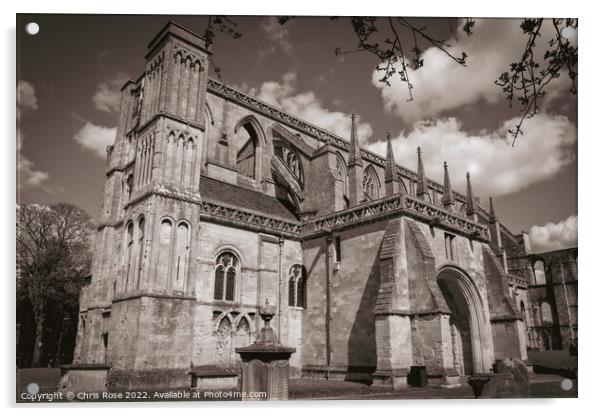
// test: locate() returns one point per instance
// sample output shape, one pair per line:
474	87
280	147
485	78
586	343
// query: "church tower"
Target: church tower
143	272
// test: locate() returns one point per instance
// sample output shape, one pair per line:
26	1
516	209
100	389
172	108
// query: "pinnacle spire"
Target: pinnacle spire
422	184
392	183
469	198
492	216
355	154
447	191
390	166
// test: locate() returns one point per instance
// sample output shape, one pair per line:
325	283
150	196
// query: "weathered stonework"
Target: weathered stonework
215	202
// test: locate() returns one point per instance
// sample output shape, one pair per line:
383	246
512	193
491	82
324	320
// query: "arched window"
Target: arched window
297	286
340	175
536	316
546	314
140	251
247	141
226	269
181	256
370	184
165	239
539	272
129	252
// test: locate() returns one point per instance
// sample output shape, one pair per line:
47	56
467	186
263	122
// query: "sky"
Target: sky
70	73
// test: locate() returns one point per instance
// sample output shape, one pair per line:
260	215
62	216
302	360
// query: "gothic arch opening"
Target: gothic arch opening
467	321
539	271
370	184
248	148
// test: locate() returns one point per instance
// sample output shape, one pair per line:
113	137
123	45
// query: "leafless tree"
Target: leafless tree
53	259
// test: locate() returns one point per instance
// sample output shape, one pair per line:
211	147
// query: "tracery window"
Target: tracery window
370	184
226	269
297	286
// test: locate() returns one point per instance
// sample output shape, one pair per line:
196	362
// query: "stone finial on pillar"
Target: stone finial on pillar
355	154
392	183
422	187
354	166
470	211
447	198
492	216
265	363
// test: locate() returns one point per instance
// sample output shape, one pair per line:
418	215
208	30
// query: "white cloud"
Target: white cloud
554	236
108	94
277	35
27	175
442	84
26	97
95	138
307	106
496	167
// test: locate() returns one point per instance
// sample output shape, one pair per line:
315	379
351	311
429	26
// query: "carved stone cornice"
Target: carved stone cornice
249	219
398	204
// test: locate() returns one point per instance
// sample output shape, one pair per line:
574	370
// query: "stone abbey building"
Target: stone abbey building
216	201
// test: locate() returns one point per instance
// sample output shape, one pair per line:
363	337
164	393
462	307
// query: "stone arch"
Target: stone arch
341	182
547	317
229	247
539	271
252	120
370	184
242	331
166	229
220	318
223	345
468	317
250	147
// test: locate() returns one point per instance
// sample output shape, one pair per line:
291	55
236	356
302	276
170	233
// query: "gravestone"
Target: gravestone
265	363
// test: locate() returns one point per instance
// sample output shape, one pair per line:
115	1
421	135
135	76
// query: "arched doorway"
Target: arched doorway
467	321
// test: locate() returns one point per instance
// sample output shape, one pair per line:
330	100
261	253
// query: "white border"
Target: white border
589	180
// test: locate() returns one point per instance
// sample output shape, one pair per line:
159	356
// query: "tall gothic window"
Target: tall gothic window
140	251
129	249
181	255
546	314
370	184
226	269
539	271
247	142
165	239
340	175
297	286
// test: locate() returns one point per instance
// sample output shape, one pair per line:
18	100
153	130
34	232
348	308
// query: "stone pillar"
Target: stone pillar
265	364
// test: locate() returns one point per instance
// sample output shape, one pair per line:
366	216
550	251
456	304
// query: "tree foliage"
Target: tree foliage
53	261
526	80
